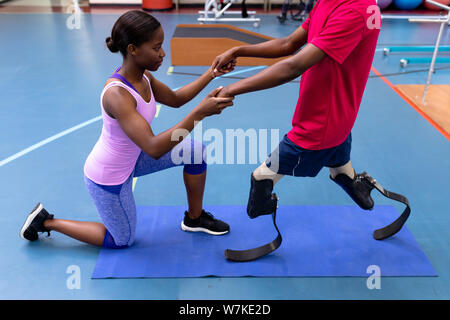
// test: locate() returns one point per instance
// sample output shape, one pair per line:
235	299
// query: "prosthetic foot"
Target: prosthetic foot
358	188
261	200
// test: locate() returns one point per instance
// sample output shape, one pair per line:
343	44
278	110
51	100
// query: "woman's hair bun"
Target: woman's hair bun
111	45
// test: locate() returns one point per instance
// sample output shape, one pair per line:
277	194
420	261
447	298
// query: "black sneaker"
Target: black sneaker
205	223
35	223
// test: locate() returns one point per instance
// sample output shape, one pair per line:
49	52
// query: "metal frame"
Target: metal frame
443	20
212	13
388	50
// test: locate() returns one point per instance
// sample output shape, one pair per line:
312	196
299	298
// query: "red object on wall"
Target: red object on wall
157	4
432	7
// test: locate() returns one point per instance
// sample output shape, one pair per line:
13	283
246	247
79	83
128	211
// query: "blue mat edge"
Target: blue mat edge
435	274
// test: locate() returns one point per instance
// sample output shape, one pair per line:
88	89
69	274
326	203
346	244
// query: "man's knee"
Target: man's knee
345	169
263	172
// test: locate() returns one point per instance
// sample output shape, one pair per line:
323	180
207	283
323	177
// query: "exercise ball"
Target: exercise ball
157	5
433	7
383	4
407	4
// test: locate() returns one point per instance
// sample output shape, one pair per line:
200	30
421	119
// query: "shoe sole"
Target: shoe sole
30	218
199	229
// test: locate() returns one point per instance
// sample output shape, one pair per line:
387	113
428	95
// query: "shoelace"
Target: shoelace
209	214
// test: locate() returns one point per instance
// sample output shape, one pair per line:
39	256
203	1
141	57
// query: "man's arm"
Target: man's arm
275	48
270	49
277	74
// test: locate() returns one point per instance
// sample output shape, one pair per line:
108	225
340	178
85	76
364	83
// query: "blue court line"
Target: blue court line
88	122
241	71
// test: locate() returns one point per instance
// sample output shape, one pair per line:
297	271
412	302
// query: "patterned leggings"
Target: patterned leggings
116	205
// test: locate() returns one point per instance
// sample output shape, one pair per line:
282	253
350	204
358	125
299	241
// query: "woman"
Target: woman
128	148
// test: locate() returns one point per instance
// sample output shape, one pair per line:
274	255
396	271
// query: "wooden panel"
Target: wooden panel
203	51
218	25
437	105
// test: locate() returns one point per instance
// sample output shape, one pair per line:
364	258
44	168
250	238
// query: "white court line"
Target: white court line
86	123
48	140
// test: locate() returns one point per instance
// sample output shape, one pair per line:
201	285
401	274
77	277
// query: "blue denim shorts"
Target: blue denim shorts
291	159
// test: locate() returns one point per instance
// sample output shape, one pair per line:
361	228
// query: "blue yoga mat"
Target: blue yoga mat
320	241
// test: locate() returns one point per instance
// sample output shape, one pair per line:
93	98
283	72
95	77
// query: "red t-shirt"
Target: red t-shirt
332	89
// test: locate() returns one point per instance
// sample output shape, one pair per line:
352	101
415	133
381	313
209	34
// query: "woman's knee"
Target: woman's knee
194	156
118	242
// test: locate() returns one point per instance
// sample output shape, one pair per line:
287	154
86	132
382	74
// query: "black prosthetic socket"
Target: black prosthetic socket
260	200
358	188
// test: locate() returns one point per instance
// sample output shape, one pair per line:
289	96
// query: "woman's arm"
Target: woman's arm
118	102
176	99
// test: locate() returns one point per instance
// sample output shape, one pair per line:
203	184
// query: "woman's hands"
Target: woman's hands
211	104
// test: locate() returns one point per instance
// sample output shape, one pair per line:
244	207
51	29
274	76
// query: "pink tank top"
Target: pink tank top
114	156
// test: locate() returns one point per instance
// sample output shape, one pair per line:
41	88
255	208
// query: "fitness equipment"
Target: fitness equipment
298	12
405	61
446	21
388	50
432	7
443	20
199	44
215	9
443	23
407	4
383	4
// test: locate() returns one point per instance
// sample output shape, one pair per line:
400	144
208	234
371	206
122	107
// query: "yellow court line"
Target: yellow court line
134	182
158	107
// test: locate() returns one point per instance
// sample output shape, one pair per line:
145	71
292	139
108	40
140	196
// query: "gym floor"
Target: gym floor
51	78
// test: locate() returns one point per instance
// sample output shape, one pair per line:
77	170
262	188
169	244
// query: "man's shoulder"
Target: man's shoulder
363	7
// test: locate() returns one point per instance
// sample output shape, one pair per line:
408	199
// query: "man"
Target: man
335	65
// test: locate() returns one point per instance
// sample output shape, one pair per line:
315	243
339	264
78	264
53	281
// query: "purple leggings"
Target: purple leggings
115	204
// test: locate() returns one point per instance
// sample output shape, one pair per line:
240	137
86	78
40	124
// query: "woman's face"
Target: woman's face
150	54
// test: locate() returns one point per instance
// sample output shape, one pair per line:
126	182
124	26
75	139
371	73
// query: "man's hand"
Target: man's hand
225	93
223	70
213	103
224	63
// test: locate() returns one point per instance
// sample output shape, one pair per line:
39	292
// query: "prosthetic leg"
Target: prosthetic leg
261	201
359	189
